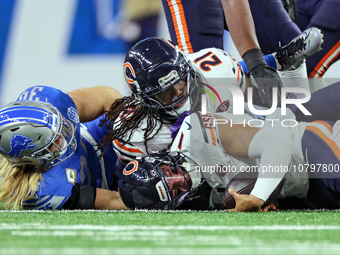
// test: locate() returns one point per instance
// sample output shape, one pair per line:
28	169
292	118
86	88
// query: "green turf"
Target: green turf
141	232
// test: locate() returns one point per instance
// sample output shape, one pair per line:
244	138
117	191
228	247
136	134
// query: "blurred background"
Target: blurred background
72	44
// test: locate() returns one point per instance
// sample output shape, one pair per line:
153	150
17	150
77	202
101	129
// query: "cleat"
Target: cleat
306	44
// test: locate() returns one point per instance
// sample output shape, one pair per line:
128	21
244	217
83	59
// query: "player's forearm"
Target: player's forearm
274	153
240	24
108	200
93	102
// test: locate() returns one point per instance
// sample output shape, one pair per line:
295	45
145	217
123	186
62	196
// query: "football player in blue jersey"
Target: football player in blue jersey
49	159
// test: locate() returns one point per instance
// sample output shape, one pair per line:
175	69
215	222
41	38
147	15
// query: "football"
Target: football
243	183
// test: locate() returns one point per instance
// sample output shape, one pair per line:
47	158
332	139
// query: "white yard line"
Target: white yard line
272	249
37	226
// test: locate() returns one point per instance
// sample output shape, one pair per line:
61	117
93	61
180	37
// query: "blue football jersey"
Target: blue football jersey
83	166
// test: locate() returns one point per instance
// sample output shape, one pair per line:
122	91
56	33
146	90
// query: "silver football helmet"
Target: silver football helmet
35	133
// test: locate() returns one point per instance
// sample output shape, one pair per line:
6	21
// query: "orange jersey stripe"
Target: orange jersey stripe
213	137
326	61
326	139
125	148
324	123
180	24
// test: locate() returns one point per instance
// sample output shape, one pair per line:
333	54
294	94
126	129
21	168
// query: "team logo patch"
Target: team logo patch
220	171
73	114
223	107
161	191
20	143
130	168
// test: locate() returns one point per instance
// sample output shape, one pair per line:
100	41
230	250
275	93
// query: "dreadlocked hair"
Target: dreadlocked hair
131	114
18	183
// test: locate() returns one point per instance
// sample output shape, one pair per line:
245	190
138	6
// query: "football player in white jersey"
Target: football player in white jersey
214	148
166	85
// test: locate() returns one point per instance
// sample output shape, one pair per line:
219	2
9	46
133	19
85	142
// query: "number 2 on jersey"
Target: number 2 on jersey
207	60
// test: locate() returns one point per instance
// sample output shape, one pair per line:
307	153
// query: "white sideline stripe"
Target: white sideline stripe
271	249
135	211
77	211
6	226
147	234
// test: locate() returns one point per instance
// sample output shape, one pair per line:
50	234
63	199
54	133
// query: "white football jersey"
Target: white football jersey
215	68
136	147
198	138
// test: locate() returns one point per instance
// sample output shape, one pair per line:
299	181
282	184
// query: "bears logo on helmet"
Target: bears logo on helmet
130	77
161	181
153	66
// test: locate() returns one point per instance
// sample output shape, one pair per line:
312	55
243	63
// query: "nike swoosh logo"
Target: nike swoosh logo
189	126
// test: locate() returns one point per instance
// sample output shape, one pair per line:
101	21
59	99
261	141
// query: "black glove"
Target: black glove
263	77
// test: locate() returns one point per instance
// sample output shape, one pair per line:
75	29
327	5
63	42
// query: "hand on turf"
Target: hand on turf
270	207
245	203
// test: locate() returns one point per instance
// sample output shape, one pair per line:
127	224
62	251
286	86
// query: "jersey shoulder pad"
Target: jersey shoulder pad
216	67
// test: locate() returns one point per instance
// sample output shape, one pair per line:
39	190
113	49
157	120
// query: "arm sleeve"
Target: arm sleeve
275	153
82	197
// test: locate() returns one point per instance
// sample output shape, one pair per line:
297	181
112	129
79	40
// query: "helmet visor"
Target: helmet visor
178	181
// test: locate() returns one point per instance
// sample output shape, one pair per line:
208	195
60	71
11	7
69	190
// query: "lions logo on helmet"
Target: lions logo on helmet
19	143
28	131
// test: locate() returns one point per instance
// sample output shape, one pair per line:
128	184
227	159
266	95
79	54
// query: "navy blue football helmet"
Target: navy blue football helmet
29	131
154	65
159	181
